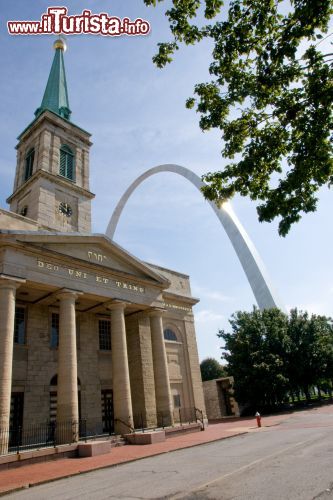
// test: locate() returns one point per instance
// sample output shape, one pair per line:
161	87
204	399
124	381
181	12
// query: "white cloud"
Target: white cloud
207	316
205	293
322	308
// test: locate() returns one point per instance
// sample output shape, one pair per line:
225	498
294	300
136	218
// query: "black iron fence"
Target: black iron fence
51	434
44	435
180	416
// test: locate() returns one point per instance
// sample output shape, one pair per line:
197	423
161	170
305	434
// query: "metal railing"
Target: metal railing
143	422
163	419
128	426
185	415
45	435
51	434
200	416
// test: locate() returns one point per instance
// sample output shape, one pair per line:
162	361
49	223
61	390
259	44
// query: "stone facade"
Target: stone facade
219	399
87	331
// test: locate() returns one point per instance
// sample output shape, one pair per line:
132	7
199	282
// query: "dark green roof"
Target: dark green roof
55	97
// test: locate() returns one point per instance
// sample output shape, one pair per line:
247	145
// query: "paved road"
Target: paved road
291	461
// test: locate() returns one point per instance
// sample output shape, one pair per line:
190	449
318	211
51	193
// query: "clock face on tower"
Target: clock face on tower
65	209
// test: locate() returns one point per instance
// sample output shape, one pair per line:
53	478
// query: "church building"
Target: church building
87	330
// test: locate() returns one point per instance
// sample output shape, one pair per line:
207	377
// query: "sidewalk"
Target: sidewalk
30	475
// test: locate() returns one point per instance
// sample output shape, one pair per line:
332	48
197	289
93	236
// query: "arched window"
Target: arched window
66	168
169	335
29	163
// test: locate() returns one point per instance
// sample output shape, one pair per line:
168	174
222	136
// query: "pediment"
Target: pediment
97	250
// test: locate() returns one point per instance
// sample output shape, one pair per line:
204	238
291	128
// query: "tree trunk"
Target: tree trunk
307	394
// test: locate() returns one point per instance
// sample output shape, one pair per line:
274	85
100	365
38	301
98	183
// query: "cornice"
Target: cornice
58	121
57	179
181	298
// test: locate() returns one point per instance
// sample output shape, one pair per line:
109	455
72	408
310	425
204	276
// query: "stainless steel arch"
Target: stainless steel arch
247	254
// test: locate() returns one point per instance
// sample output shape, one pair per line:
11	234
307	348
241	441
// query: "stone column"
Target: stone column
122	401
67	396
164	405
7	318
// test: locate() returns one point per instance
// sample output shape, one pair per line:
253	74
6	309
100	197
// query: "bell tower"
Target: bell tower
52	174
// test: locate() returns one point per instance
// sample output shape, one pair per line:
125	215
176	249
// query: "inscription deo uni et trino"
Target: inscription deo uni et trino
77	274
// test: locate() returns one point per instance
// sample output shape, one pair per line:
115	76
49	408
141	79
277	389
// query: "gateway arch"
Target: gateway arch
247	254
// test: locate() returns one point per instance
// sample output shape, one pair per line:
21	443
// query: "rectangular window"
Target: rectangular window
54	330
104	327
176	401
29	162
78	336
19	326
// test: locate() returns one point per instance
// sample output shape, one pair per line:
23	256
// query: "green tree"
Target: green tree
310	357
210	369
270	95
255	351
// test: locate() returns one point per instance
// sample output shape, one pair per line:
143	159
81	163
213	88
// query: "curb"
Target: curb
67	476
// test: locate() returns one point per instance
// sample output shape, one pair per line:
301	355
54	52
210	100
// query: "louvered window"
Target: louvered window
67	163
29	163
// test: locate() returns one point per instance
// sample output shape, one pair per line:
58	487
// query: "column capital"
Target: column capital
66	293
10	281
156	313
116	305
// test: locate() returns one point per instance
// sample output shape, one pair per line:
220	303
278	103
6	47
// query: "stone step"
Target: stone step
115	440
182	429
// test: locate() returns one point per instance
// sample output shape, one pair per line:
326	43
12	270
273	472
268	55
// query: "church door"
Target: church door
107	411
16	418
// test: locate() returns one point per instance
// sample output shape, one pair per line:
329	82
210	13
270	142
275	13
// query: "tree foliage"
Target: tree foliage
256	355
270	95
271	356
211	369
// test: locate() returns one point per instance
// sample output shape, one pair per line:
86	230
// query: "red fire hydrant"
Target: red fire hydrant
258	417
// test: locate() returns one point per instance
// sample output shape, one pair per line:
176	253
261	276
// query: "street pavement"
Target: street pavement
290	457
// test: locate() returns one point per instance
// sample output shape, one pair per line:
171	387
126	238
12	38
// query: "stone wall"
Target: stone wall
215	406
89	371
10	222
217	392
36	363
141	370
194	366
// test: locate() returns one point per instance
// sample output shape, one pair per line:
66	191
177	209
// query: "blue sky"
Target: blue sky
136	114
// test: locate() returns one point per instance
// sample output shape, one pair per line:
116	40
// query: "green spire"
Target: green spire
55	97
